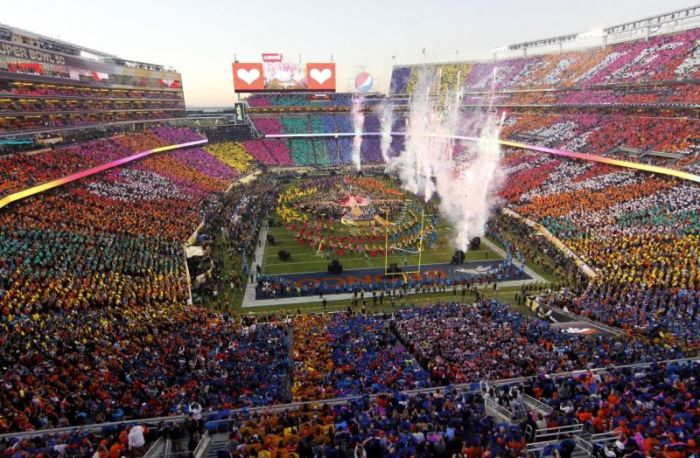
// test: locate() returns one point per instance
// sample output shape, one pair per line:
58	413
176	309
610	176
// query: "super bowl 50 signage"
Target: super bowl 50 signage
280	76
7	49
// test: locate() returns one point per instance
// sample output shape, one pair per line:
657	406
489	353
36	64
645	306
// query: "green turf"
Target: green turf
304	258
543	265
503	294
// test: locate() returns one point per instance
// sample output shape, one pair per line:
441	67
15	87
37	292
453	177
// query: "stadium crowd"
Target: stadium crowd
641	407
341	354
640	231
231	227
448	341
648	410
92	280
96	322
661	58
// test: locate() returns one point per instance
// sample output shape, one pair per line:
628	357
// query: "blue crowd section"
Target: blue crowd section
325	151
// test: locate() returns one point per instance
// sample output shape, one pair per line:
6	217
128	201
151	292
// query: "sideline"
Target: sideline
531	273
551	238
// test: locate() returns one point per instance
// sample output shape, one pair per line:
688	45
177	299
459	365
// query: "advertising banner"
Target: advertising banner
271	57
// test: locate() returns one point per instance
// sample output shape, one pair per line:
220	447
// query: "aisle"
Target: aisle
249	295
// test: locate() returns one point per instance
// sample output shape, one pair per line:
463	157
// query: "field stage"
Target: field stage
299	273
300	228
311	225
468	270
305	259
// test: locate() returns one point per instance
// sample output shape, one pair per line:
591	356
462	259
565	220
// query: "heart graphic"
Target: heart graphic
248	75
321	76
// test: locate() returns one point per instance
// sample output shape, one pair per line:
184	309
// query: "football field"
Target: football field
306	259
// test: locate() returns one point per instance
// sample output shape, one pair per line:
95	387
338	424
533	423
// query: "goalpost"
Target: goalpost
420	246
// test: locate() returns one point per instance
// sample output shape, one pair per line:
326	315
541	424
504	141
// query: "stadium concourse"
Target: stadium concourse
114	341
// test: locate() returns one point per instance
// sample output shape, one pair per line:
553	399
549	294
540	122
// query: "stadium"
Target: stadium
490	258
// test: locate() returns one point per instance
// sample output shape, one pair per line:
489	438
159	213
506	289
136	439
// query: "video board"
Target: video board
274	75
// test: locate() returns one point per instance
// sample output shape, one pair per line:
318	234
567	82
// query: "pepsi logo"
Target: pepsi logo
363	82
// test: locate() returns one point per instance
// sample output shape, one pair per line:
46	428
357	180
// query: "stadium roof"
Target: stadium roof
84	51
671	21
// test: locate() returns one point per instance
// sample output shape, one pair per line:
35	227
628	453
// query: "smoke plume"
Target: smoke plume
358	121
386	121
464	175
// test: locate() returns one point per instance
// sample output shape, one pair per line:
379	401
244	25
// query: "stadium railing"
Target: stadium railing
202	446
538	449
157	449
462	387
537	405
552	434
493	408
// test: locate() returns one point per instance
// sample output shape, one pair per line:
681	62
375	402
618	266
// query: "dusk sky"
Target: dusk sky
200	38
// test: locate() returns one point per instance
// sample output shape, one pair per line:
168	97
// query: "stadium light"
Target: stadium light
500	48
596	33
88	55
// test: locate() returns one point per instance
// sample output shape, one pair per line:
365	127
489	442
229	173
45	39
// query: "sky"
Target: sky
200	38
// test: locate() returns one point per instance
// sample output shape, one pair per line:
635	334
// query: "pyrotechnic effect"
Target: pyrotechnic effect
358	121
386	121
465	176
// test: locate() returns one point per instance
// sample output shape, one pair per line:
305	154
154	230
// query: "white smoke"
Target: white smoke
465	183
358	121
386	121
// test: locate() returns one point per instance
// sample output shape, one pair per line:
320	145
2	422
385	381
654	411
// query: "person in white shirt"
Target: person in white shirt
196	410
541	422
60	449
136	437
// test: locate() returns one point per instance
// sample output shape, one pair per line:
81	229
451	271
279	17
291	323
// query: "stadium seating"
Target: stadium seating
102	262
97	321
637	408
232	154
322	151
576	76
116	440
21	171
341	355
639	230
661	58
295	100
601	134
448	341
319	124
371	151
269	152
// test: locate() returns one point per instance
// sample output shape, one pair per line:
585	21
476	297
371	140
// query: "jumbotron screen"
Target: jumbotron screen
283	76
